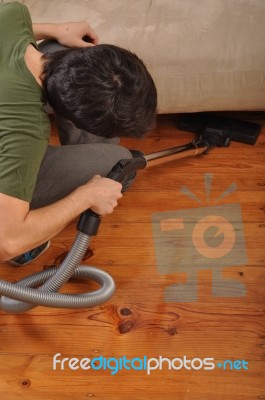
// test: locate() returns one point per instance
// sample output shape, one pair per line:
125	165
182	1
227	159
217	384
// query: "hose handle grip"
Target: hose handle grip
89	221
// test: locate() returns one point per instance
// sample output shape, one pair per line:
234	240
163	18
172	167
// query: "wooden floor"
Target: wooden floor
140	320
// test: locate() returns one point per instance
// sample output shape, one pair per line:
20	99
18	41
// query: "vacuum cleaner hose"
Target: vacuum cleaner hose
23	295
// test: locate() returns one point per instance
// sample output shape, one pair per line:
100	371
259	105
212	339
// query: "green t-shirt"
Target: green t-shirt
24	125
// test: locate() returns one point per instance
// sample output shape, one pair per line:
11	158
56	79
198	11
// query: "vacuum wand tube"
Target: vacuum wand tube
176	153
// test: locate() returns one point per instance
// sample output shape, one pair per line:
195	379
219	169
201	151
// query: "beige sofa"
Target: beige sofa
204	55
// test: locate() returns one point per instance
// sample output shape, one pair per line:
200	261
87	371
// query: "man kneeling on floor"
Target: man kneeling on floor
98	93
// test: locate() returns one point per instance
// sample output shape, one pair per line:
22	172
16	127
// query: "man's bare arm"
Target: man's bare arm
22	229
70	34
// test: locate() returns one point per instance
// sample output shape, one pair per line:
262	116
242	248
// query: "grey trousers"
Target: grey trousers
66	167
80	156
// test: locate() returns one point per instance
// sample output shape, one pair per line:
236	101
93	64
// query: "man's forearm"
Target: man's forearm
30	228
69	34
41	225
44	31
44	223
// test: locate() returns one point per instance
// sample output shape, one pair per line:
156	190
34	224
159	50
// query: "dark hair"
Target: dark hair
103	89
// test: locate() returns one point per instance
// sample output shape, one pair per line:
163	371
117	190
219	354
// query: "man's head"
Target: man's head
103	89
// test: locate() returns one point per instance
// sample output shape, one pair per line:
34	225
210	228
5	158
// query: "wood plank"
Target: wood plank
138	321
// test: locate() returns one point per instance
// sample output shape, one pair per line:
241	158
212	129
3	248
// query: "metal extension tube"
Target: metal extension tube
176	153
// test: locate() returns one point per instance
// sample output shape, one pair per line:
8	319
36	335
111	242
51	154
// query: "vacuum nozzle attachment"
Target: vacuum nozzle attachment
220	131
